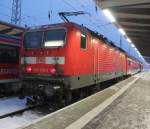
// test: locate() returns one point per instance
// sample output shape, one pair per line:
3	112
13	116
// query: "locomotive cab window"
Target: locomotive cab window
54	38
83	42
33	39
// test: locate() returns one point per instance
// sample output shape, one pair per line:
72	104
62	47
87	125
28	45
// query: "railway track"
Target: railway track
13	113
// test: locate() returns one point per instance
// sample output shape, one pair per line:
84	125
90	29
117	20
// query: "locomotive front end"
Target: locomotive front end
43	61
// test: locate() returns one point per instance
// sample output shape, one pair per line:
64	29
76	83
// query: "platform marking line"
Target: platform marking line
81	122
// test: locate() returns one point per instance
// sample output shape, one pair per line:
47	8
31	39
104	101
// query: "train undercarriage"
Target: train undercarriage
10	89
39	90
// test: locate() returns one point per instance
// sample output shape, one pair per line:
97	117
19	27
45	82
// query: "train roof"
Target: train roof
9	37
96	34
11	29
42	27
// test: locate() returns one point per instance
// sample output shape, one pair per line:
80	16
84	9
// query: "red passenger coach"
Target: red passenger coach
10	44
9	62
67	57
133	66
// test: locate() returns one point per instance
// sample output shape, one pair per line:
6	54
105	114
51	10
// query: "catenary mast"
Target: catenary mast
16	12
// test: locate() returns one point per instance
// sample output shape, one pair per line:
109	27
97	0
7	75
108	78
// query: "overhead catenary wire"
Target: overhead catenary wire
91	21
102	27
94	23
105	25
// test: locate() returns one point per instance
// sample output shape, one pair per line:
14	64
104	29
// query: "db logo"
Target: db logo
40	60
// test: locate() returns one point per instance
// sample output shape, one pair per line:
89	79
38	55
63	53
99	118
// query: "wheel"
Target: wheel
30	101
83	93
95	89
67	97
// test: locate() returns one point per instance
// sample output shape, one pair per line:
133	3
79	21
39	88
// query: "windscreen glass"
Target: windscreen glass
33	39
54	38
49	38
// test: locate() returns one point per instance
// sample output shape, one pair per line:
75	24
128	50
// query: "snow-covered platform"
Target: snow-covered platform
8	105
125	105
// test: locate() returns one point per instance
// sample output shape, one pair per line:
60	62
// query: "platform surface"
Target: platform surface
131	109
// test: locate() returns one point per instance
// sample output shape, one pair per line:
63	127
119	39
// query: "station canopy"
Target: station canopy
134	17
10	29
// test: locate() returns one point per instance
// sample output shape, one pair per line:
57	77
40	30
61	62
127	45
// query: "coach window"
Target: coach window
83	42
8	54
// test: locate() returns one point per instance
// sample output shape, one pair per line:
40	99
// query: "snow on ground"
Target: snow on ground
10	105
14	104
20	120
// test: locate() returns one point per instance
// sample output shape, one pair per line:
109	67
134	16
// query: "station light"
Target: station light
109	15
129	40
112	19
139	54
136	49
122	31
132	45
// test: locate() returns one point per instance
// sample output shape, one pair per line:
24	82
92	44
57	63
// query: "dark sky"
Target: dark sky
35	12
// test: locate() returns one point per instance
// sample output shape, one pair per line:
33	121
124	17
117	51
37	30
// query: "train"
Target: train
9	64
65	58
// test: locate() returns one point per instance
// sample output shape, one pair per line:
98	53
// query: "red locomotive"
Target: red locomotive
68	57
9	63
